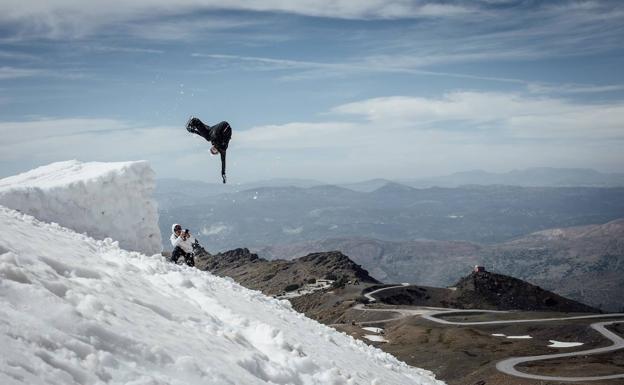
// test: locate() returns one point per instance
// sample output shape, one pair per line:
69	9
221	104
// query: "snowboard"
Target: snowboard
192	124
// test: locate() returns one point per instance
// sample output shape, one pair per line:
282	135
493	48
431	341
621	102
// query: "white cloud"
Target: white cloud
43	129
544	88
381	137
16	73
412	136
292	230
508	113
88	138
314	70
13	55
299	135
78	18
215	229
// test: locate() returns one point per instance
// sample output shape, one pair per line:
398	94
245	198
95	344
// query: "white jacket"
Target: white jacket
186	245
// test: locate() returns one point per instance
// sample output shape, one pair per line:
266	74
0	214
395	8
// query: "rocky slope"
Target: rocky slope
585	263
484	290
274	277
508	293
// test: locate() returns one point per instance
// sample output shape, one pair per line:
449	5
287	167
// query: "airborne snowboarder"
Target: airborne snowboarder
219	135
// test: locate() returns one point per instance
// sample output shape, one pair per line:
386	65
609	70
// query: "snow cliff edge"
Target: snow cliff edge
100	199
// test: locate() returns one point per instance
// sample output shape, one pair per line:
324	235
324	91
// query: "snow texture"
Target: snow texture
75	310
559	344
375	338
525	337
100	199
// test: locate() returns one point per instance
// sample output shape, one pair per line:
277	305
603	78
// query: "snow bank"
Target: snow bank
100	199
74	310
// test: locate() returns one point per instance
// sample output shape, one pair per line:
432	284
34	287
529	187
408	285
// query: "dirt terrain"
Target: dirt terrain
456	354
468	355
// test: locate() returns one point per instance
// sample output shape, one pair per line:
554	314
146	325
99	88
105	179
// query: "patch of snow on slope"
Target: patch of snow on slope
525	337
560	344
74	310
375	338
100	199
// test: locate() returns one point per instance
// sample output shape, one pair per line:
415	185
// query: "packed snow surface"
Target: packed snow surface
100	199
75	310
375	338
559	344
525	337
372	329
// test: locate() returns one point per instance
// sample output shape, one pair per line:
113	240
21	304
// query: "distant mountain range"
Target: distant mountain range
393	212
428	236
583	263
531	177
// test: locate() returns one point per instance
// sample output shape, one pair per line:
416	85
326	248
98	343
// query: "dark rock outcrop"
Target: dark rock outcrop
508	293
485	290
273	277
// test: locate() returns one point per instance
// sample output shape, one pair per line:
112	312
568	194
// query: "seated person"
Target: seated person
182	242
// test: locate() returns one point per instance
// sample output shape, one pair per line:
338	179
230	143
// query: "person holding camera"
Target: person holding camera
182	242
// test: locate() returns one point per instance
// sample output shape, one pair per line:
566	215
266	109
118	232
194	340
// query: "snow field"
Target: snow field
75	310
100	199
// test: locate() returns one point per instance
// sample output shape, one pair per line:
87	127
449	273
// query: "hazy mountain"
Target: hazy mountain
171	192
367	185
394	212
540	176
583	263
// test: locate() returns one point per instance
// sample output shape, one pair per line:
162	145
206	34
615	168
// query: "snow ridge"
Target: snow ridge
75	310
100	199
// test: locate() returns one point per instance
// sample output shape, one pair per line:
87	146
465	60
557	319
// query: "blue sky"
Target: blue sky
330	90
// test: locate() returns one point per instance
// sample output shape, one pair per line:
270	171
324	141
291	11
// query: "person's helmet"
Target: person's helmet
175	227
214	150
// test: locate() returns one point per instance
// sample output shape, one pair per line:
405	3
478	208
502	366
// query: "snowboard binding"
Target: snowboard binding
191	125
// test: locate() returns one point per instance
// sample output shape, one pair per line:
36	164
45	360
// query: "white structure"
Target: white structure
100	199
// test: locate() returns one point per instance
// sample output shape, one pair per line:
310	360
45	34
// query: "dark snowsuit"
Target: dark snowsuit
219	135
178	252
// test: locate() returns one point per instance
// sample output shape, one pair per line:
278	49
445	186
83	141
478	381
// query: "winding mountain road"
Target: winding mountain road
507	366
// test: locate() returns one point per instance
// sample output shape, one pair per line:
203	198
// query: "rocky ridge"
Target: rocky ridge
277	276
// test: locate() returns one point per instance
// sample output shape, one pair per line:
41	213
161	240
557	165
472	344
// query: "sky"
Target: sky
332	90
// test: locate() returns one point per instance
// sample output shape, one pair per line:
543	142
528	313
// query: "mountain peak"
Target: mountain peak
509	293
393	187
271	277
